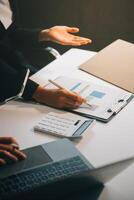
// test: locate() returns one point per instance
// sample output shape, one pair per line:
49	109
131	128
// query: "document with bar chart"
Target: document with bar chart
102	103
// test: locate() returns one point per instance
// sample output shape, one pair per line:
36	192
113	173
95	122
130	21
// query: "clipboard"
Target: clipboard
114	64
110	112
105	102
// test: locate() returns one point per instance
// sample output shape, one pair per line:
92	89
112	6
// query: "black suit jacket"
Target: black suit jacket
26	41
13	63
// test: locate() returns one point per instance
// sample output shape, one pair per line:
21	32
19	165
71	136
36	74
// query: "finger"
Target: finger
72	29
75	98
2	162
8	155
81	41
20	155
13	151
8	140
15	146
68	94
72	42
69	105
71	97
75	43
7	147
73	103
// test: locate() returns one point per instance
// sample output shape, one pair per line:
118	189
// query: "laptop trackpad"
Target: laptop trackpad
35	156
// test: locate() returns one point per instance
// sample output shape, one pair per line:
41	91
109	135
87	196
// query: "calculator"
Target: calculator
63	125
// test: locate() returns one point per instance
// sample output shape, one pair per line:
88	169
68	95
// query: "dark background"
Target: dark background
101	20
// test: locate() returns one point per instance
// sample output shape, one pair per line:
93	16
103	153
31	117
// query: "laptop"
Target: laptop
21	87
55	167
114	64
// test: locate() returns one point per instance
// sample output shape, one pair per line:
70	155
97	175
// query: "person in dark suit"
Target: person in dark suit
34	48
12	63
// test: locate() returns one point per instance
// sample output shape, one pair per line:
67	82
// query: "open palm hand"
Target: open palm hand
63	35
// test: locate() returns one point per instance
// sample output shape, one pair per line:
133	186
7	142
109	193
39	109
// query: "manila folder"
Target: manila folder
114	64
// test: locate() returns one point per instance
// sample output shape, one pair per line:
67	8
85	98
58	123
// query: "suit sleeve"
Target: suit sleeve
30	88
25	37
12	67
8	81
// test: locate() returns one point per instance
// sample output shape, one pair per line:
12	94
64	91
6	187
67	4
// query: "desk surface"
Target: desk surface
102	144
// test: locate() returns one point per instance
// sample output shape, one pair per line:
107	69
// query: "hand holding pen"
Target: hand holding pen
60	87
58	98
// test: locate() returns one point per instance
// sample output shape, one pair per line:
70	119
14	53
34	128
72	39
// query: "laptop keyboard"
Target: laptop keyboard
40	176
